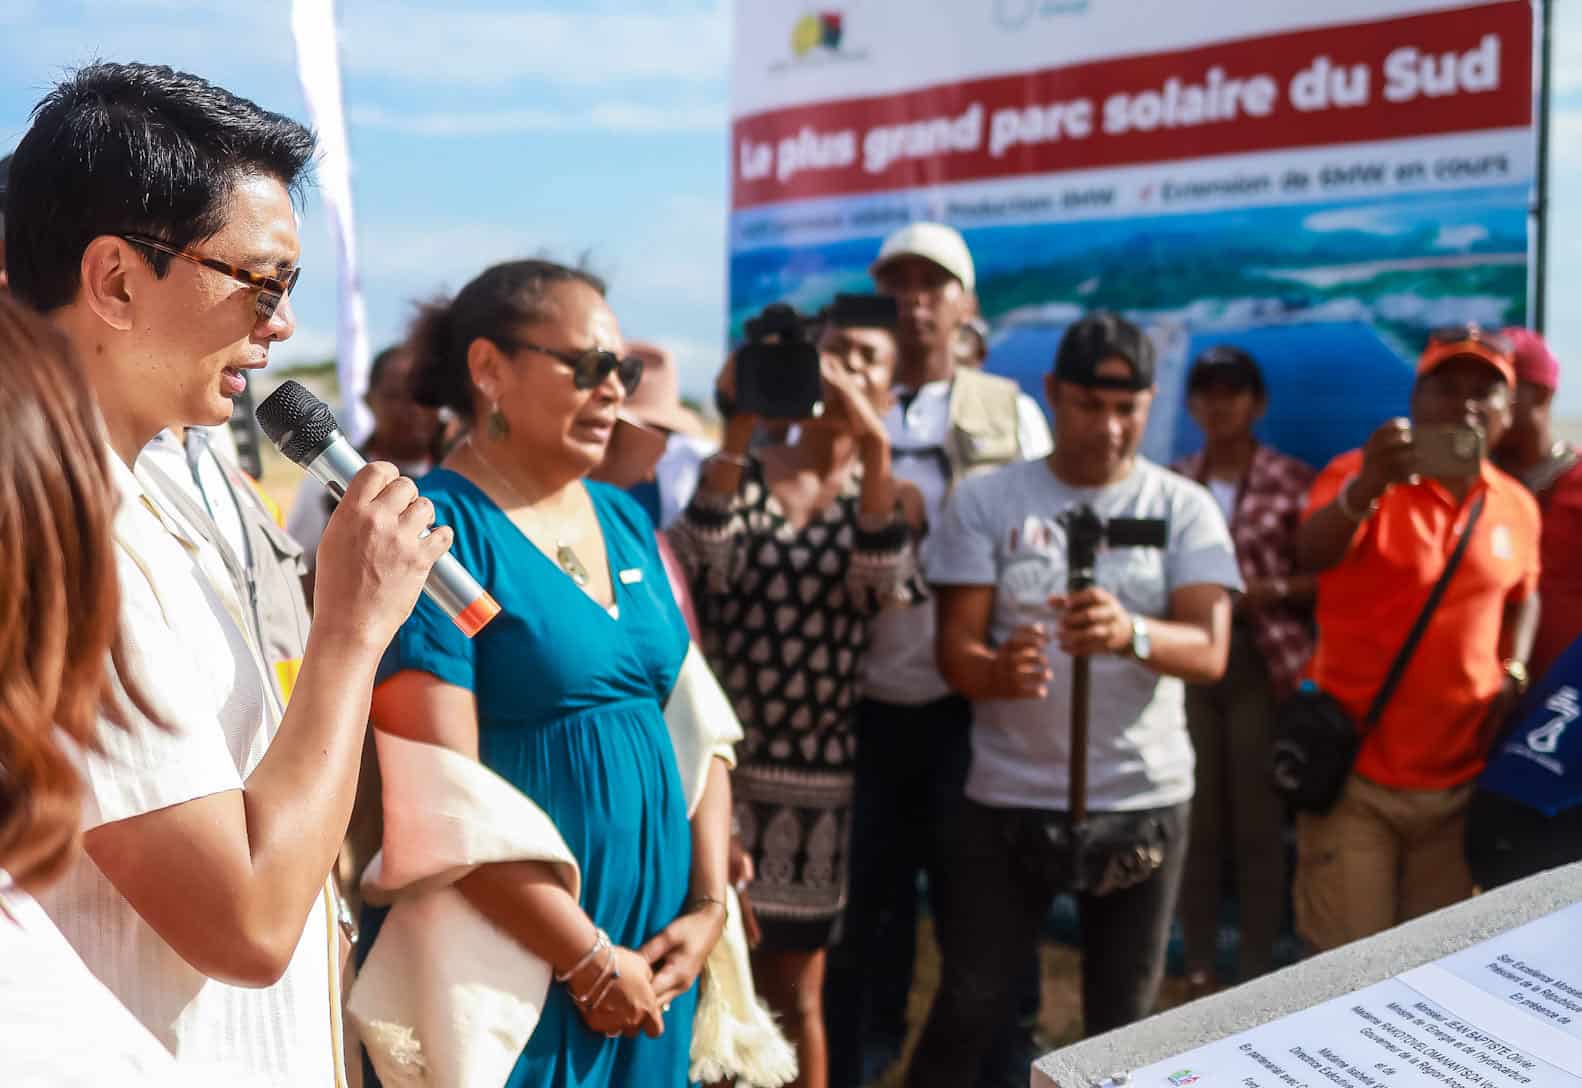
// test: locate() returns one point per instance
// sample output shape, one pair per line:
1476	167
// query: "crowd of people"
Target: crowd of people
748	705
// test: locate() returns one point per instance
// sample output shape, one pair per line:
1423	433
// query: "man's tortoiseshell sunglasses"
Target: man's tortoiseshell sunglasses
270	289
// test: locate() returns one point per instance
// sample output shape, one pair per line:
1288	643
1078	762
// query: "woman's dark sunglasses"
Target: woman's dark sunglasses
270	289
590	368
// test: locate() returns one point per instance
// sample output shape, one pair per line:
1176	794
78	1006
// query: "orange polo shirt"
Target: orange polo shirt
1431	735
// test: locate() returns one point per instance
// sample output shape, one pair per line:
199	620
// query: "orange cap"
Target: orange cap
1440	352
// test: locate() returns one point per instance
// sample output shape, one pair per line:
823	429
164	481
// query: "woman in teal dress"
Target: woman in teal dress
562	694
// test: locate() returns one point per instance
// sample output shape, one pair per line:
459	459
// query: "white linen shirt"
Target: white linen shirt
194	466
60	1027
186	648
899	665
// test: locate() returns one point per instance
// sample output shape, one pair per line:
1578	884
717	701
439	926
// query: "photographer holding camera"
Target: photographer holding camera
791	550
1384	527
948	420
1008	631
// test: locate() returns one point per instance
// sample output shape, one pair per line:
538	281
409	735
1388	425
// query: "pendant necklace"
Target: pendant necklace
565	556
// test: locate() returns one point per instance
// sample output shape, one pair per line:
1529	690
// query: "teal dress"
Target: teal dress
570	702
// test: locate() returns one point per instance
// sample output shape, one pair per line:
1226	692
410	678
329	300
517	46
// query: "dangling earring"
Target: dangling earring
498	426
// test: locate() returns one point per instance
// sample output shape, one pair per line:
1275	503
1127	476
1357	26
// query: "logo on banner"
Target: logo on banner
1183	1077
1565	708
1015	14
821	31
819	36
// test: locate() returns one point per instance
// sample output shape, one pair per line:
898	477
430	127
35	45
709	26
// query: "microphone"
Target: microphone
304	429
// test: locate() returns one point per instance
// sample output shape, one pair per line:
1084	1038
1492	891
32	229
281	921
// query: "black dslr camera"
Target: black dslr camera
777	371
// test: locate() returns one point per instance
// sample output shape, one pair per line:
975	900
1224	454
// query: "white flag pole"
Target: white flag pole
318	68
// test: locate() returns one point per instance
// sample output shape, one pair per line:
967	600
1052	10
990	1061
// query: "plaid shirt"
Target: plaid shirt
1268	512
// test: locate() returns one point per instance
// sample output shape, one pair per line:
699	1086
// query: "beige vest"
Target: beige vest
983	430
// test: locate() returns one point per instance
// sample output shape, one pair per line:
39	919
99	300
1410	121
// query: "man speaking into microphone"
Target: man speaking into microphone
150	216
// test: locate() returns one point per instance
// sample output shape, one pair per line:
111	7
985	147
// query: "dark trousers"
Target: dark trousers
989	922
911	765
1237	818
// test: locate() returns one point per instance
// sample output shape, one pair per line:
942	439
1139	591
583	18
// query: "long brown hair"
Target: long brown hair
59	602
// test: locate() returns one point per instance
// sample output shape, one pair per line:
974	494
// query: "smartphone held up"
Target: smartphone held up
1447	451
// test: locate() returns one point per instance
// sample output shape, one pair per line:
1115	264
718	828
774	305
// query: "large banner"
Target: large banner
1318	182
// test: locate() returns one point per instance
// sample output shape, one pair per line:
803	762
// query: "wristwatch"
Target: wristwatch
1141	646
1517	671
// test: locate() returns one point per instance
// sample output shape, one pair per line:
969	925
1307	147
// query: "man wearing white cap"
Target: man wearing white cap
948	422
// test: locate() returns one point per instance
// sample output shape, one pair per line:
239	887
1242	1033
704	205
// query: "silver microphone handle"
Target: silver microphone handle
449	585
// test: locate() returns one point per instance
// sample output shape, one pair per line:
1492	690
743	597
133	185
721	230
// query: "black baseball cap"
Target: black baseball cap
1097	338
1225	366
862	311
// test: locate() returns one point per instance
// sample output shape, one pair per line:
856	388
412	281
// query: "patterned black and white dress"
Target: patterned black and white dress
784	615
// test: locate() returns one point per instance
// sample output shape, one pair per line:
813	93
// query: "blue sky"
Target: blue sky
487	129
480	130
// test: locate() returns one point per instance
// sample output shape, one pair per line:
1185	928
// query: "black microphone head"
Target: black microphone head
297	422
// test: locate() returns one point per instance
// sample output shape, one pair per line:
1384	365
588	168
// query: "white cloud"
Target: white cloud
1367	220
1566	51
606	117
431	44
678	261
1564	316
16	12
679	255
412	44
1565	139
1460	237
434	255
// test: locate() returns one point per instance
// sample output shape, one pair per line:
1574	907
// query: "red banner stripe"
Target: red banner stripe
1174	108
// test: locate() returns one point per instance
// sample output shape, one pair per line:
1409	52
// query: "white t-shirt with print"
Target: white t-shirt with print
898	666
1000	530
185	647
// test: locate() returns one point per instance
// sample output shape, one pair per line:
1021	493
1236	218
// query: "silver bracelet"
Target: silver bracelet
1343	501
601	941
607	980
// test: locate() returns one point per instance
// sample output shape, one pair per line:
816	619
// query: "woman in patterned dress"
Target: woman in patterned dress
790	551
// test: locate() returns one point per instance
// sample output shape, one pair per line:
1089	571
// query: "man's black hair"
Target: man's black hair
123	148
1228	366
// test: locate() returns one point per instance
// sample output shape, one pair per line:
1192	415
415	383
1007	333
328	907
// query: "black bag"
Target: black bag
1114	850
1507	840
1315	740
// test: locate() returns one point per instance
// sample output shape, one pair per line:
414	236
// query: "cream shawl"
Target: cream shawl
446	1000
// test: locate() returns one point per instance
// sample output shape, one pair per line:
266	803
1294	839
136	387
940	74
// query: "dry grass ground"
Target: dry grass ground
1059	1014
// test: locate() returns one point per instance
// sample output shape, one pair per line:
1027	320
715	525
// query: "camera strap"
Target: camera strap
1404	657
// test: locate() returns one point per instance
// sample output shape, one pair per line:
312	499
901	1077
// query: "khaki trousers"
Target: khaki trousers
1380	857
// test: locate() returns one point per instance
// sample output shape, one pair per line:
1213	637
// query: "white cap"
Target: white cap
933	242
